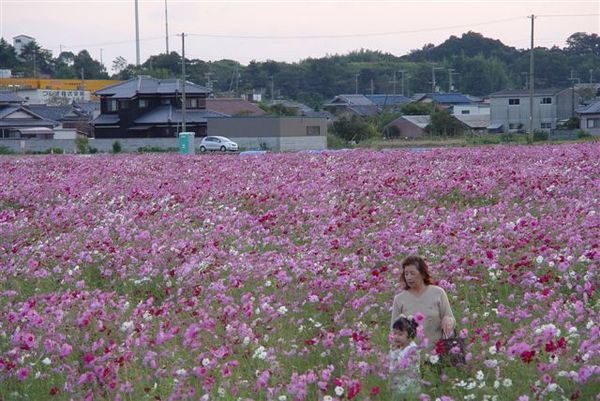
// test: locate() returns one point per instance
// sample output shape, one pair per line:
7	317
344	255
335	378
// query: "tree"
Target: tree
444	124
37	61
417	109
8	57
353	129
92	69
581	43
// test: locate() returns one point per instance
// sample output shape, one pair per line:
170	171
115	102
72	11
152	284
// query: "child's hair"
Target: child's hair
405	324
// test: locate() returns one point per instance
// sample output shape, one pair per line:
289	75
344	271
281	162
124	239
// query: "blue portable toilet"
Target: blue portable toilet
186	143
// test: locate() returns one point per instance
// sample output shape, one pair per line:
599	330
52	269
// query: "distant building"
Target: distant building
589	117
475	124
509	109
146	107
19	42
349	105
384	101
5	73
444	100
408	127
233	107
18	122
470	109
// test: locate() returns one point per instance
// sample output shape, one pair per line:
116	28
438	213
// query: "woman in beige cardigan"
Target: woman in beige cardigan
420	296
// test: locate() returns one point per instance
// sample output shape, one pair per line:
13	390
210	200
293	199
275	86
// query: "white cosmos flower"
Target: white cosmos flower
539	259
434	359
339	391
507	382
46	361
328	398
479	376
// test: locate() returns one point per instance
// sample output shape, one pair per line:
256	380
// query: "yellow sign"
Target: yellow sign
91	85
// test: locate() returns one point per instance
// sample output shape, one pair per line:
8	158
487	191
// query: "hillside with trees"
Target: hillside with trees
477	65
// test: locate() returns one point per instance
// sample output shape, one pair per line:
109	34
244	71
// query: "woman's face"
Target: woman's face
413	277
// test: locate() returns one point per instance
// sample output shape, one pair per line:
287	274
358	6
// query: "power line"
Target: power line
351	35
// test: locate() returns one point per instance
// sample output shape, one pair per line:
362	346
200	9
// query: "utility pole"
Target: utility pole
531	82
372	87
34	64
356	83
166	28
433	84
402	75
82	81
591	76
137	35
573	80
183	101
408	85
101	57
272	89
526	75
237	80
394	83
450	79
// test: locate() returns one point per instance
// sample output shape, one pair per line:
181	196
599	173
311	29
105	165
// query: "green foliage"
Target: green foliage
335	142
116	147
571	123
155	149
417	109
55	150
444	124
83	144
540	136
5	150
582	134
278	110
93	150
353	129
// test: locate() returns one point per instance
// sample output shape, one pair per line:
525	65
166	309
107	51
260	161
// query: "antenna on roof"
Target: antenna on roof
137	35
166	28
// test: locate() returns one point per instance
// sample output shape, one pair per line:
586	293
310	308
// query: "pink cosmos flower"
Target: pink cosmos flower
22	374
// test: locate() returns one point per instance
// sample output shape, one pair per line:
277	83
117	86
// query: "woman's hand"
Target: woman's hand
447	325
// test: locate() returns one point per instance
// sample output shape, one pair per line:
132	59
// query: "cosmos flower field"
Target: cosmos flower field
164	277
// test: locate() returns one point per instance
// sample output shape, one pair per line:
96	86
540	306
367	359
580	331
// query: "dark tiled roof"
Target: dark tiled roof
448	98
352	100
27	123
6	110
232	107
145	85
10	97
54	113
592	108
525	92
365	110
387	100
168	114
106	119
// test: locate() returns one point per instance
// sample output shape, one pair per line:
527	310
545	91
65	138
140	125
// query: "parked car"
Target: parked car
218	143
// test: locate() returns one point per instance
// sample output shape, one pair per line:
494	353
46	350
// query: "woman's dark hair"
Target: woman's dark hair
406	324
421	267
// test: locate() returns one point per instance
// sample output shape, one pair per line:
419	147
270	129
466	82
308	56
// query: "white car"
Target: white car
218	143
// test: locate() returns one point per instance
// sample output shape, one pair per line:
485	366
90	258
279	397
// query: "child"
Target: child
404	360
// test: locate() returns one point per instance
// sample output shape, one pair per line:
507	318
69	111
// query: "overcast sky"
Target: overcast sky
286	30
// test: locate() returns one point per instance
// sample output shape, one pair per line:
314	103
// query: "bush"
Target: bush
582	134
116	147
55	150
5	150
334	142
507	137
82	144
93	150
539	136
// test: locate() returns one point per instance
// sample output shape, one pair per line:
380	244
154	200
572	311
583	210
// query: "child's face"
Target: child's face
399	338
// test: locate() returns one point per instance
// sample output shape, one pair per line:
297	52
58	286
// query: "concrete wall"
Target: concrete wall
502	113
584	123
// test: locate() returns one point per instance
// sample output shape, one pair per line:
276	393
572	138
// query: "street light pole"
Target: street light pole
531	81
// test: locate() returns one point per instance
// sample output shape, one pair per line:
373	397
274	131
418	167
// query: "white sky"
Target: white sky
278	30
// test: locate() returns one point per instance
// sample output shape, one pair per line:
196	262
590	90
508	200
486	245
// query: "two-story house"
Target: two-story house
146	107
509	109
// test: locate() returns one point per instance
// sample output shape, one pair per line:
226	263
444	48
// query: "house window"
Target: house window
593	123
191	103
143	103
465	112
514	102
546	125
514	125
546	100
165	101
123	104
111	105
313	130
